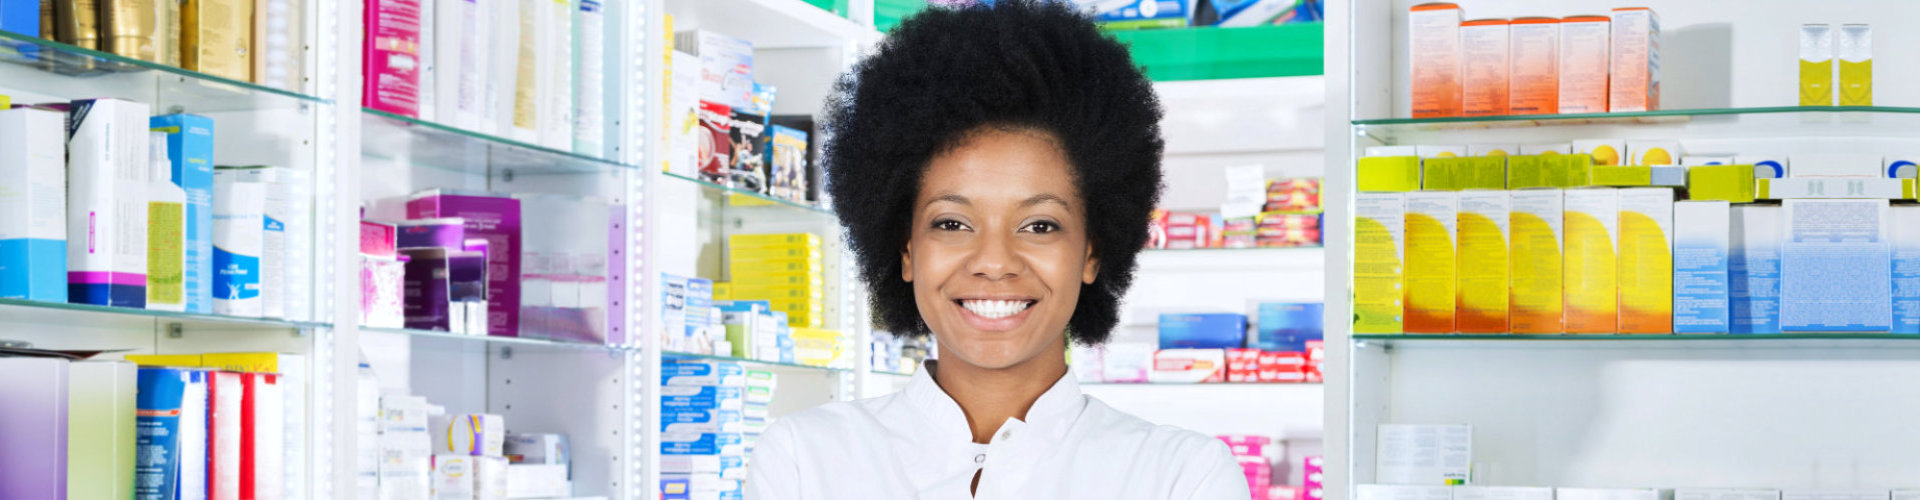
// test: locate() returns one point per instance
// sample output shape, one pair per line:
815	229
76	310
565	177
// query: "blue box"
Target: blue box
1287	327
676	489
702	443
1702	246
20	16
1144	14
190	148
1753	270
680	420
688	397
1203	331
721	373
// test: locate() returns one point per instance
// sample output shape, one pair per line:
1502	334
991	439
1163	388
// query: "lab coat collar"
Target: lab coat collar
1052	415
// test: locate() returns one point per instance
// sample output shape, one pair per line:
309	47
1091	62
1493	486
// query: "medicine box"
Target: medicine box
690	397
1700	256
536	448
1835	267
1466	172
1288	326
1646	260
1127	362
726	66
1388	174
1482	262
1534	59
1654	152
1202	331
1859	166
190	149
1424	455
702	443
1765	166
538	481
1635	81
1605	152
497	220
1730	183
1189	366
1483	67
1431	281
702	421
1402	492
1834	188
33	202
1535	233
1378	280
1611	494
1434	48
1725	494
468	434
1584	63
1855	57
1501	493
1591	248
1816	65
1753	269
108	180
716	373
1904	220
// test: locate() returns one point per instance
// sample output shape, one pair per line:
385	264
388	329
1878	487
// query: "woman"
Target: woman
994	168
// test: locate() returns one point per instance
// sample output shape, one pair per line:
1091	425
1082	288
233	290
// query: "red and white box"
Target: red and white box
1259	472
1282	492
1244	445
1243	365
1189	366
1278	366
1316	357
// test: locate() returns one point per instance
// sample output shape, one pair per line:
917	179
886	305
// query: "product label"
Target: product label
1536	261
238	276
1835	268
1482	260
166	255
1753	270
1646	260
1591	279
1431	280
1700	255
1377	284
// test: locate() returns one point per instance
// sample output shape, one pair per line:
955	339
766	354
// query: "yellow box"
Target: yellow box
1591	273
1534	75
1731	183
1388	174
216	38
1534	226
1816	65
176	360
1430	250
1454	174
1483	67
1856	65
774	253
250	362
1646	260
772	268
772	240
1605	152
1635	81
1584	46
1433	41
745	292
1378	284
1500	149
1482	261
818	346
722	290
768	279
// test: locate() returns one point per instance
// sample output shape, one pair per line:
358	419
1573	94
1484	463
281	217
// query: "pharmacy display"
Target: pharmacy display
711	415
242	40
410	448
720	127
1284	346
1257	456
1258	213
772	311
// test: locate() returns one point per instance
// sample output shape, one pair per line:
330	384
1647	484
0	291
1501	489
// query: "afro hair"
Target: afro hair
1024	64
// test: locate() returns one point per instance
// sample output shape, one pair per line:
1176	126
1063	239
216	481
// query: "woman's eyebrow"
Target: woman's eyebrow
949	198
1045	198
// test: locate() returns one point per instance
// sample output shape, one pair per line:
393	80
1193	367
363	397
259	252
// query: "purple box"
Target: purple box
426	290
448	233
497	220
33	424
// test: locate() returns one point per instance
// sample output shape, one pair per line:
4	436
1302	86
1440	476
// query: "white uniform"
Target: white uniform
916	444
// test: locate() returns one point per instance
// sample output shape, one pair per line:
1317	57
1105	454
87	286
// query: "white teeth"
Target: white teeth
995	309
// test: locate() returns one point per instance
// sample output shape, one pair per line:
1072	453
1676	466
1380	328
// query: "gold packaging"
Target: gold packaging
142	29
277	31
46	21
77	23
216	38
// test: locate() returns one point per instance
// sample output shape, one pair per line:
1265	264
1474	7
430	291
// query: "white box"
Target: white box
1654	152
1838	165
239	209
1401	492
1835	267
1433	72
33	205
1702	232
538	448
1424	455
1611	494
1501	493
1564	148
1188	365
286	250
537	481
589	125
1725	494
1753	269
1832	188
1765	166
468	434
108	180
1905	243
1835	494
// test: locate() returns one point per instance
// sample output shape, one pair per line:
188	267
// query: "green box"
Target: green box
1454	174
1556	171
1731	183
1389	174
1622	176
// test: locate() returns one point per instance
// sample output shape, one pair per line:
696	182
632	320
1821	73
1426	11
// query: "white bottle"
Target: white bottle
166	232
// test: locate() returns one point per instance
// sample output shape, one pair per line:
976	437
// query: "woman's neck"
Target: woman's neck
989	397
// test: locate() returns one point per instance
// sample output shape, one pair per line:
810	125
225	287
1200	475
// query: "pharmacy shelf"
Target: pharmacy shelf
893	374
1227	259
668	355
58	69
68	314
738	197
407	140
1221	408
1647	341
499	340
1833	120
770	24
1199	383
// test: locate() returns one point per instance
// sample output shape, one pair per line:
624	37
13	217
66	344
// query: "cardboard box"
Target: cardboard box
1835	267
1454	174
1378	279
1400	492
1483	67
1203	331
1765	166
1702	244
726	66
1654	152
1635	81
1646	260
1834	188
1424	455
468	434
1430	266
1753	269
216	37
33	197
1591	274
1389	174
1904	222
1816	65
1725	494
1730	183
1534	74
108	176
1856	65
1189	366
1605	152
1535	223
495	219
1501	493
1584	63
1433	43
393	59
1611	494
1851	166
1483	263
190	149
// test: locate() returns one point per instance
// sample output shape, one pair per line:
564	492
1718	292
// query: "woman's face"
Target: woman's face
999	248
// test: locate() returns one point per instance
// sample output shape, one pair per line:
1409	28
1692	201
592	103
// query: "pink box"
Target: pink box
1189	366
495	219
1243	365
1259	472
377	239
1312	478
1247	445
382	280
1281	492
392	55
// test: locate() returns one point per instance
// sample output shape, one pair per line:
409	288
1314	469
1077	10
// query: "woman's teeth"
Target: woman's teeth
995	309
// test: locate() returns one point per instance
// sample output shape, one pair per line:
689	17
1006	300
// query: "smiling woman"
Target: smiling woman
995	168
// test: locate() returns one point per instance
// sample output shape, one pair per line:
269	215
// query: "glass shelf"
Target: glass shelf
776	364
65	313
490	339
1315	248
736	197
1873	116
1207	384
418	142
893	374
59	69
1649	341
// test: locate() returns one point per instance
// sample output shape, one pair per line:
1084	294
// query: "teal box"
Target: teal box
190	149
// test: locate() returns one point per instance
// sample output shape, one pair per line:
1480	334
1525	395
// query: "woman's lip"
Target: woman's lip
984	323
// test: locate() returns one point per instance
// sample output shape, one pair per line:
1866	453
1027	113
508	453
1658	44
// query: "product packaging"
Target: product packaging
22	17
1904	222
468	434
538	481
787	164
590	75
166	232
1764	166
1635	81
1816	65
538	449
1645	227
1584	63
1848	166
1856	65
555	66
1753	269
1188	366
1702	241
1730	183
392	55
1431	280
1605	152
1835	267
1834	188
707	397
1504	149
1431	151
1402	492
108	180
1425	455
715	143
33	197
190	151
277	46
448	233
469	477
140	29
77	23
726	66
1901	167
1534	73
1202	331
1654	153
1127	362
1560	148
286	244
1473	172
461	61
1591	271
714	373
494	219
1501	493
1288	326
1484	66
748	170
702	443
1483	262
1433	38
1389	174
1378	279
1535	229
239	238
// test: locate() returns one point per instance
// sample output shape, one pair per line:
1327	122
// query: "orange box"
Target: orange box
1433	46
1584	49
1483	67
1534	59
1635	83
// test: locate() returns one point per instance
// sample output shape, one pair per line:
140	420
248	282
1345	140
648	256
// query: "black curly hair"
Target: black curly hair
1034	65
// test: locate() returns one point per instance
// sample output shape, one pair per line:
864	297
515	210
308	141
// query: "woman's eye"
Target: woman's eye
1042	227
949	225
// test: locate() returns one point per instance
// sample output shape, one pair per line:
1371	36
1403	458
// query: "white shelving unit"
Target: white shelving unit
1768	411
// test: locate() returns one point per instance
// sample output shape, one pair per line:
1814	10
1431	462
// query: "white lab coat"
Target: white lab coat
916	444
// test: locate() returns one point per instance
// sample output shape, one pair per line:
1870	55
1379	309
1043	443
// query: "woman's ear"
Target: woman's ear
906	262
1092	267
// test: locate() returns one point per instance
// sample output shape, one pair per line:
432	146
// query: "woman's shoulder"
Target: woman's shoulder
839	418
1104	424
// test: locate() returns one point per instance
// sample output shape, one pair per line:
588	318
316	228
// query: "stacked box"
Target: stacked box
710	413
33	233
785	270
